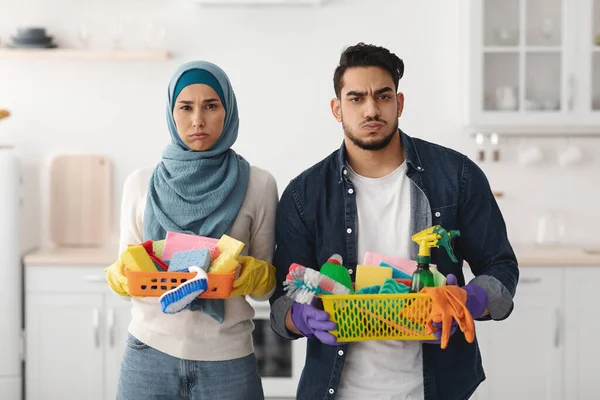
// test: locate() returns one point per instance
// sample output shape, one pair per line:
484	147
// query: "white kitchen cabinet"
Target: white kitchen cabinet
118	316
523	356
583	324
546	348
533	63
63	349
75	330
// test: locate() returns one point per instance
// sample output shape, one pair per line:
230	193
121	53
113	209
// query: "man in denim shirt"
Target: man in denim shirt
372	195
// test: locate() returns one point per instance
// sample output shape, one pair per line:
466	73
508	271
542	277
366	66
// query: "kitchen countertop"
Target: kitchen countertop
527	256
544	256
104	256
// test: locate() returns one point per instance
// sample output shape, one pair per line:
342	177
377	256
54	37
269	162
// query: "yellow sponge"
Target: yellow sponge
136	259
229	245
224	264
367	275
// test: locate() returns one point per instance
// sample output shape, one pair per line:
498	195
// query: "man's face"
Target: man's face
368	107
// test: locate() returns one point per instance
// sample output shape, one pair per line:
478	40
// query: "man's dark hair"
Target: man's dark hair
367	55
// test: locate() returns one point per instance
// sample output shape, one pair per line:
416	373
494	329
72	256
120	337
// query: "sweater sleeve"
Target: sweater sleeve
132	213
262	231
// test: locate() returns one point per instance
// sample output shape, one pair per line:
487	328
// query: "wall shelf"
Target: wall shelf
225	3
77	54
538	131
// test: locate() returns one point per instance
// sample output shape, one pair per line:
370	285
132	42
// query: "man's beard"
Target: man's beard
372	145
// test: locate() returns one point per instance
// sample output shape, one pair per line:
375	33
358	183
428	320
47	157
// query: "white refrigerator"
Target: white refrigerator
11	273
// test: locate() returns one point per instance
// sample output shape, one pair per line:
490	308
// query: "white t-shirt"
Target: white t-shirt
193	335
383	370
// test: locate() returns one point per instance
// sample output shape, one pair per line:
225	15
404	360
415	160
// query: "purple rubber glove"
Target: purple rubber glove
477	300
312	322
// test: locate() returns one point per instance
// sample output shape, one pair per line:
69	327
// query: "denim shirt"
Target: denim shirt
317	218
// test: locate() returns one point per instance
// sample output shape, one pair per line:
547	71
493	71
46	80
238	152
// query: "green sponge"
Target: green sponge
338	273
369	290
390	286
158	246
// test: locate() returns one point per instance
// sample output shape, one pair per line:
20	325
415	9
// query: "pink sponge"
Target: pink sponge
373	259
176	242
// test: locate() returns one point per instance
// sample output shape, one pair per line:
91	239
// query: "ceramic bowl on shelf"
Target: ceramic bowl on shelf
31	38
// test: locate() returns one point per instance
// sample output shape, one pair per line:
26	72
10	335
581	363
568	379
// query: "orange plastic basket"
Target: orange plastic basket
154	284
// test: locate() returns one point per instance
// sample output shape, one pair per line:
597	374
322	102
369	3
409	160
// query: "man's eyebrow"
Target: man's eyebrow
383	90
356	93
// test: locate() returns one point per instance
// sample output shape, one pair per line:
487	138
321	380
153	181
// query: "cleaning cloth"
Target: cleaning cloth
449	303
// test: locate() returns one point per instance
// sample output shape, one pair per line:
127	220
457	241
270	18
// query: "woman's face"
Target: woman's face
199	116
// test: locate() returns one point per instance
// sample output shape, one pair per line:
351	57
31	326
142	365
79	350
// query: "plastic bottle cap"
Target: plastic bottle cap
335	259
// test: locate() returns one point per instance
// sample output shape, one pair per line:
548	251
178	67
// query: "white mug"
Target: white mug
530	155
570	155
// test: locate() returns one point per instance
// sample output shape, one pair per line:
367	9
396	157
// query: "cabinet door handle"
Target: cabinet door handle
110	318
530	281
557	328
571	100
94	278
96	324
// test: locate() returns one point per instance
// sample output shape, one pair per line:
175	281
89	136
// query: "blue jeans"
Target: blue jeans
149	374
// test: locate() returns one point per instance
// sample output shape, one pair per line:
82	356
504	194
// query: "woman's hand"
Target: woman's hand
257	278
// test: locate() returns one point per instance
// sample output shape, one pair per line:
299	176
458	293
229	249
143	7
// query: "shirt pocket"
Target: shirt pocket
445	216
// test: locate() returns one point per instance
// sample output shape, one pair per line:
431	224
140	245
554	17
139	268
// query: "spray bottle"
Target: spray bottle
434	236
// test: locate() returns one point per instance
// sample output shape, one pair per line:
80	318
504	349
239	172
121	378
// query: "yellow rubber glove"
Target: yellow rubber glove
257	277
116	279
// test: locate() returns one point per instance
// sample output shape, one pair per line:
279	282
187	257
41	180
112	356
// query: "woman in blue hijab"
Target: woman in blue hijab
201	187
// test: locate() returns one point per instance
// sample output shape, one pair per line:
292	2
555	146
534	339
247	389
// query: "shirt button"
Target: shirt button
419	168
345	172
437	214
350	191
341	353
350	271
331	391
349	230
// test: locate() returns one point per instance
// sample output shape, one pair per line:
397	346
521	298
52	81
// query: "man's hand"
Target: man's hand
309	321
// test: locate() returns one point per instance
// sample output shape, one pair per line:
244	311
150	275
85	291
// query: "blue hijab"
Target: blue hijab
198	192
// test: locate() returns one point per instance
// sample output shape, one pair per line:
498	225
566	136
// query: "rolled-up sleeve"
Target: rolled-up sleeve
484	242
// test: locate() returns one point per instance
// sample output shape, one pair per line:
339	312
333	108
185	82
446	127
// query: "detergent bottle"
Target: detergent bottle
434	236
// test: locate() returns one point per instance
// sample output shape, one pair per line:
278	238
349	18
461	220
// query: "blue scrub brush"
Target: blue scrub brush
177	299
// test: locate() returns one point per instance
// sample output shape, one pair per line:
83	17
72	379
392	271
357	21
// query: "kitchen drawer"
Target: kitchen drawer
535	280
46	279
541	280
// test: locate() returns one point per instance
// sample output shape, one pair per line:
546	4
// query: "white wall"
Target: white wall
280	61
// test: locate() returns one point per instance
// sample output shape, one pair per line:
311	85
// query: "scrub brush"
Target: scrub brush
303	284
177	299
